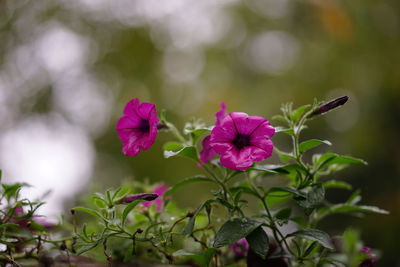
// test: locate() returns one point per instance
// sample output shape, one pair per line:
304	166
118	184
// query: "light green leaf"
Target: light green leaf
309	144
337	184
129	208
88	211
296	115
187	151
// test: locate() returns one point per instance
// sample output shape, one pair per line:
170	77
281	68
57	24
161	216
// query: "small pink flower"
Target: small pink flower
370	258
241	139
137	129
208	153
240	248
160	201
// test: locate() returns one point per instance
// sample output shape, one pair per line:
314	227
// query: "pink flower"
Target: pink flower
208	153
158	202
241	139
137	129
240	248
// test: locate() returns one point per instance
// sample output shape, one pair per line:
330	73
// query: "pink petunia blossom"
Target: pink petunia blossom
240	248
241	139
208	153
137	129
160	201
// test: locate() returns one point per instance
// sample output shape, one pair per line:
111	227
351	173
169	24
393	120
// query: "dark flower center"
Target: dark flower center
144	126
241	140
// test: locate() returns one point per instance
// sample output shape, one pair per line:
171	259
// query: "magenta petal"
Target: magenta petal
207	153
221	114
146	110
264	130
222	147
132	107
264	144
237	160
127	126
246	124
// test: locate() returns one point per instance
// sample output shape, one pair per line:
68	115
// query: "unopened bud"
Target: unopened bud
139	230
190	213
72	211
143	196
329	106
63	246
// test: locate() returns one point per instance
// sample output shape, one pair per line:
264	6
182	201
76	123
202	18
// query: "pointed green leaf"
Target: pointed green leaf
187	152
88	211
337	184
259	242
315	235
309	144
233	230
128	209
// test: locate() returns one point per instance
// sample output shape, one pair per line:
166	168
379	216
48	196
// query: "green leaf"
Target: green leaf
84	248
190	225
172	146
287	189
314	197
233	230
6	225
187	151
310	249
309	144
283	214
279	118
259	242
315	235
329	159
129	208
337	184
296	115
88	211
348	208
202	259
187	181
288	131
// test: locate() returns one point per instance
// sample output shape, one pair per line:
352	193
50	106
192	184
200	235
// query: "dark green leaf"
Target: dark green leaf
288	131
314	197
315	235
259	242
187	181
190	225
310	248
84	248
309	144
233	230
283	214
348	208
187	151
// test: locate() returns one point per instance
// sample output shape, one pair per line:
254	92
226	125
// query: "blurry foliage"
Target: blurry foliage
350	46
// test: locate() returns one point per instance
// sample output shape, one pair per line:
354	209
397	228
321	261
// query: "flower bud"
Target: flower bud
190	213
329	106
134	197
139	230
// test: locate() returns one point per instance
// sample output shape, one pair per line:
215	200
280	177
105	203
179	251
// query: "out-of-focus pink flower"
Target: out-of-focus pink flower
143	196
240	248
241	139
208	153
160	201
371	257
26	222
137	129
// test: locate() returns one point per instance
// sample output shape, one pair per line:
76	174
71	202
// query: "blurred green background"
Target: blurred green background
68	67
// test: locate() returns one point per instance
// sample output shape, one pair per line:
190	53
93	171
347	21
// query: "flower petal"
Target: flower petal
237	160
208	152
244	123
263	144
264	130
221	114
132	107
146	110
